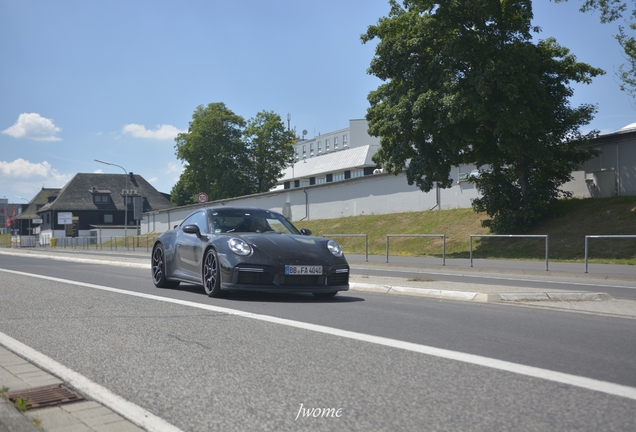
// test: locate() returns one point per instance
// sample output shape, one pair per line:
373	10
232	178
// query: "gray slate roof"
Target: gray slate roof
76	195
42	198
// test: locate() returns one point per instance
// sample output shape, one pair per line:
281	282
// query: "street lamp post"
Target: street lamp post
125	199
29	236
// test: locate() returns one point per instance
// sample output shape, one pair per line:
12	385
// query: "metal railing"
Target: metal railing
112	243
418	235
509	236
601	236
366	241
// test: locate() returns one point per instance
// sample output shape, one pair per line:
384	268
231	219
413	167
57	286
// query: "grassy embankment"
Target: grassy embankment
572	219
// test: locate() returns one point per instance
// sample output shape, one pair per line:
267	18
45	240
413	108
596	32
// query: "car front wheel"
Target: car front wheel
159	269
211	274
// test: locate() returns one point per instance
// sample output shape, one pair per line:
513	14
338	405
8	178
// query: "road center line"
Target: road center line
531	371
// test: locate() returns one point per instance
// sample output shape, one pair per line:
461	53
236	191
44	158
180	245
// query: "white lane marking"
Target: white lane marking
82	260
493	277
126	409
531	371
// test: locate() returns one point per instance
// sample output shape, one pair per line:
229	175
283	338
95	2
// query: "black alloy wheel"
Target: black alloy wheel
159	269
211	274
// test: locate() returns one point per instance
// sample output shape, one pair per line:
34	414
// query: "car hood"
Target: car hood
290	249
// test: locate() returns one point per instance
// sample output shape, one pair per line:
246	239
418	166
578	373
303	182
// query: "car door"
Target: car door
190	247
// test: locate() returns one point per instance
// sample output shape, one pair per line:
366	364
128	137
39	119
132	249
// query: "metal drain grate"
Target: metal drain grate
48	396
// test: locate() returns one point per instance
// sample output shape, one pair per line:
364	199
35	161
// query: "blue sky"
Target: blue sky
117	80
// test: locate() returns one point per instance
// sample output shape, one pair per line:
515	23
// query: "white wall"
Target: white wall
375	194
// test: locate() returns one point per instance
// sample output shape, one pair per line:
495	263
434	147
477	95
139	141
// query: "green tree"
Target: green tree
270	147
612	10
464	84
216	158
182	192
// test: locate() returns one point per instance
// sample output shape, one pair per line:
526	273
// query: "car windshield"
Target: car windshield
258	221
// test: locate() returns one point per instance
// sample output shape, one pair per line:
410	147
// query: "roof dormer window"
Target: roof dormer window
101	198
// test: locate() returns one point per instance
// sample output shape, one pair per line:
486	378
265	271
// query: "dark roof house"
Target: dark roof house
45	196
98	200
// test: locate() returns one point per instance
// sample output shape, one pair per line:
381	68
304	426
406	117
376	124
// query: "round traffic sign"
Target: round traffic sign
202	198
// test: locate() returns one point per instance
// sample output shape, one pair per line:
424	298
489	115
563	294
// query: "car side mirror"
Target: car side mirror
192	229
305	232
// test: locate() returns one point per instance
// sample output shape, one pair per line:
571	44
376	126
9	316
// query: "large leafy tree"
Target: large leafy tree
270	148
215	156
226	157
465	84
612	10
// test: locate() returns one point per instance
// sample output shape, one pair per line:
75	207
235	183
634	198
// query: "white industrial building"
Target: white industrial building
336	156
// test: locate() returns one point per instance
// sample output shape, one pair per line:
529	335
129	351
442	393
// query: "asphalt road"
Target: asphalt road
201	368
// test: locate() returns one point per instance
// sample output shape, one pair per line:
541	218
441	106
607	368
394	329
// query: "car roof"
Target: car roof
242	208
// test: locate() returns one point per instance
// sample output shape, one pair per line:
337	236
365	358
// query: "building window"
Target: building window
319	147
108	218
311	149
321	180
338	177
304	149
344	140
358	173
101	199
335	142
327	144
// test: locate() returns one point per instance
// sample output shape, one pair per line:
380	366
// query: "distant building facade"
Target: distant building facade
331	157
99	201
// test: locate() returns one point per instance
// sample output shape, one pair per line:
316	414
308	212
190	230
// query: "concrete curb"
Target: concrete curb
480	297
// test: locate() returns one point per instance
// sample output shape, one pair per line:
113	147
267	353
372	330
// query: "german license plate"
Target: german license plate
303	270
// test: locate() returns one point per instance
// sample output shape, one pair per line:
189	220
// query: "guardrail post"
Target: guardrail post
546	253
586	237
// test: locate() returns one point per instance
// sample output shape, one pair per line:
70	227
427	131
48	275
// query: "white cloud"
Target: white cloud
174	168
33	126
162	132
23	169
26	178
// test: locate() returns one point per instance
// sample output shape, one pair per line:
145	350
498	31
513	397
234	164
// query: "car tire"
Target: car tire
211	274
325	294
158	268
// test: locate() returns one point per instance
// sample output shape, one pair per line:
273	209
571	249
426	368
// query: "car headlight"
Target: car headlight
334	248
239	247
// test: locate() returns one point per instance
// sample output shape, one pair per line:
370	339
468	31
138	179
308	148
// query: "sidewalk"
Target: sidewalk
90	416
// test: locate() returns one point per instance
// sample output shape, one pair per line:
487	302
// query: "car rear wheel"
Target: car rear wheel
325	294
211	274
159	269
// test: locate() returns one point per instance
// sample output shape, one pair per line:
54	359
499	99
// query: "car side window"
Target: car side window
187	221
199	219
